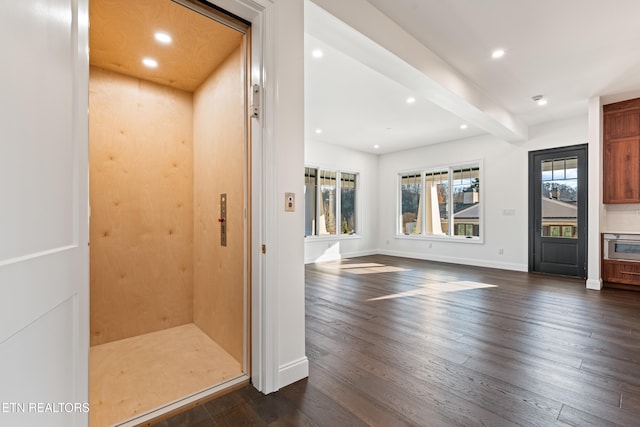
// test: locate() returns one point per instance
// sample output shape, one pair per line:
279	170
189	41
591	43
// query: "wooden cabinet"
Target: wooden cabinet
625	272
618	273
621	170
621	157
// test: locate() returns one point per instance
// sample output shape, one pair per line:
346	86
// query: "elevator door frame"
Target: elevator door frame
239	24
244	27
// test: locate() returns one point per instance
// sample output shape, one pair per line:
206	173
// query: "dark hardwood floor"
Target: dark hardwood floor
400	342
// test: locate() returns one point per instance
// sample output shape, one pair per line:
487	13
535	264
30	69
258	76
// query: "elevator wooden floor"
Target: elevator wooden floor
400	342
135	375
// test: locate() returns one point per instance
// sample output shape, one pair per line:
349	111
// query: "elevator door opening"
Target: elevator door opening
168	137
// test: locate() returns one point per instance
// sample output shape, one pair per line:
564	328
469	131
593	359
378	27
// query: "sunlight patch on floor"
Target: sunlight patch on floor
436	288
368	268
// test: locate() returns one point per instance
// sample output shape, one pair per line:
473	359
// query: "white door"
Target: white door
43	213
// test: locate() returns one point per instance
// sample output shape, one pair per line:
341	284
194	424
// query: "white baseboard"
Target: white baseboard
293	371
595	284
455	260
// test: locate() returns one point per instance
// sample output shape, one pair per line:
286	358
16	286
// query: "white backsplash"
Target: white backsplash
622	218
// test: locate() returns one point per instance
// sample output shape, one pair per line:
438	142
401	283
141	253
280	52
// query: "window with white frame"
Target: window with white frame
410	202
442	201
330	202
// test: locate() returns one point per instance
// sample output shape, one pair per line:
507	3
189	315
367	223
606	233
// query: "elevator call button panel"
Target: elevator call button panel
223	219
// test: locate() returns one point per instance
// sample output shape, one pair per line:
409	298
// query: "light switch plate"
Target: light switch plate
289	202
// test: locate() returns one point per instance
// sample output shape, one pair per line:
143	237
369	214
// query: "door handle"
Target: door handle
632	273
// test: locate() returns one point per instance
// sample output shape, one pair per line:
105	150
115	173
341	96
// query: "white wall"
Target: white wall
504	185
621	218
331	157
284	161
595	207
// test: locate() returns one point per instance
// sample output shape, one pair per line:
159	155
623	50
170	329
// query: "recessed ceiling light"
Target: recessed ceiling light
150	62
317	53
411	100
163	37
376	146
498	53
318	131
463	126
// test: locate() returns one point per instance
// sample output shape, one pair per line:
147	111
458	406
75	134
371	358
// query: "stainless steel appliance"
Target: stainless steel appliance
622	246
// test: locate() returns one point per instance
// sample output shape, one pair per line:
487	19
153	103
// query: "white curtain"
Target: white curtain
322	225
433	225
419	218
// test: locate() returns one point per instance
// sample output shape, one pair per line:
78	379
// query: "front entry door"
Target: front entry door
557	211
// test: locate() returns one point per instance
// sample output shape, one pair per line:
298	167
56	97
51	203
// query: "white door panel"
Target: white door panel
37	359
32	287
44	285
36	124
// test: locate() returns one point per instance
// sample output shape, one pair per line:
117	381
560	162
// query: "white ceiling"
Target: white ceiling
568	51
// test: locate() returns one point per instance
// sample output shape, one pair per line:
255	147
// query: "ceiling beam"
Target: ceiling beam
360	30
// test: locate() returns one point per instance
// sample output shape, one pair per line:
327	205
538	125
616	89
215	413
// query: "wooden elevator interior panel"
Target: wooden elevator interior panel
164	144
218	149
141	228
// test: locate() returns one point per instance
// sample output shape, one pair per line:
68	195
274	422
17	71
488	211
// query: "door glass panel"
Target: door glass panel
560	198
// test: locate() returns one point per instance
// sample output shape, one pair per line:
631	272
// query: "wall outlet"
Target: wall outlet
500	251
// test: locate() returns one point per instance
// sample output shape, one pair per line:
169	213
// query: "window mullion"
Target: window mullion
399	229
318	201
451	203
338	213
423	219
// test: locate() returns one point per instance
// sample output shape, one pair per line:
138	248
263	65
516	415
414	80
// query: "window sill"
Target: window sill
332	237
447	239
